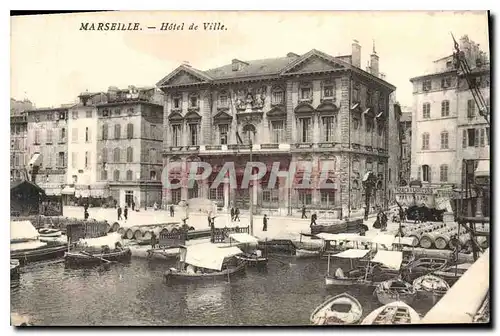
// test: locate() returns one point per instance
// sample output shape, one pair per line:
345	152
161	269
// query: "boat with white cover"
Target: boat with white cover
342	309
431	285
393	313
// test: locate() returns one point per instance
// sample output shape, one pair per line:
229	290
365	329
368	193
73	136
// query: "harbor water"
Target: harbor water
136	293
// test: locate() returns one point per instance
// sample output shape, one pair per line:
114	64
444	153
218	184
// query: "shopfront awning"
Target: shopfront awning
68	191
36	159
483	169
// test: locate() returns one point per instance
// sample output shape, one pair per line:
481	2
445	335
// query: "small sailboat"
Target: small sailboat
395	290
393	313
342	309
431	286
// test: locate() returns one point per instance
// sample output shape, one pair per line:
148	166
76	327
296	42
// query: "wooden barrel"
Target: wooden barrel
164	231
129	234
442	240
115	227
108	227
137	234
147	235
427	240
463	238
122	232
157	231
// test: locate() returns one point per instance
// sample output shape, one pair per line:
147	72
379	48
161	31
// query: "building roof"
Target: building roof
405	116
18	184
261	67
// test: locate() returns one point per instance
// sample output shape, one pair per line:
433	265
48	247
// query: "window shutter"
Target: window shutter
481	138
464	138
419	174
476	140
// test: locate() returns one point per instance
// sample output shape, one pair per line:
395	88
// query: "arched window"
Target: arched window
118	131
116	155
104	155
249	134
426	173
277	96
129	175
426	110
445	108
104	132
130	131
130	154
193	191
116	175
443	173
425	141
444	140
327	194
304	195
152	175
104	175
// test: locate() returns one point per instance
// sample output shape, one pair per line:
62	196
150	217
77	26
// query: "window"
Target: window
328	129
104	154
176	135
426	110
193	191
129	175
177	102
444	140
74	160
104	175
87	160
426	85
381	103
277	97
223	130
327	196
88	114
152	155
328	90
369	95
37	137
305	197
355	123
425	141
356	92
61	160
487	136
74	135
445	82
116	155
49	160
471	108
443	173
87	134
305	130
152	175
74	114
130	131
249	134
445	108
118	131
305	93
481	137
390	175
153	132
369	125
50	116
130	111
130	154
62	135
49	136
217	194
193	101
223	101
176	193
117	111
193	134
278	131
471	135
464	138
426	173
116	175
104	132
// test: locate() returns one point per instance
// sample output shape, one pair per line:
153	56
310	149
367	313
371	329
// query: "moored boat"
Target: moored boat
252	256
49	233
395	290
393	313
431	286
252	259
422	266
357	275
342	309
91	258
307	253
452	273
14	268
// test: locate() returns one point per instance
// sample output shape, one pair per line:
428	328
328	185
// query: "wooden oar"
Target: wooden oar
93	256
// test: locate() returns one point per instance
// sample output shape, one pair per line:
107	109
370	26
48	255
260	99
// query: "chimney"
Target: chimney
382	75
374	63
356	54
236	64
292	54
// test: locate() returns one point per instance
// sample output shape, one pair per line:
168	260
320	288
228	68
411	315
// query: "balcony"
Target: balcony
303	145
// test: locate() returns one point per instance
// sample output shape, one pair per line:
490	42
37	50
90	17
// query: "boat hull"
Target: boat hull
14	268
177	276
333	281
40	254
391	314
431	286
77	258
325	314
252	261
303	253
387	292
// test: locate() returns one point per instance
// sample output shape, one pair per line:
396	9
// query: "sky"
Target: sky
52	61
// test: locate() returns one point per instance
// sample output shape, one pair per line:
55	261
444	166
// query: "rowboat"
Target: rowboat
14	268
252	259
422	266
44	252
452	273
307	253
49	233
87	258
342	309
431	286
395	290
174	274
357	275
393	313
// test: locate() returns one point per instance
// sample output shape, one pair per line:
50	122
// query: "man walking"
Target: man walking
304	212
172	212
232	214
125	212
264	223
236	214
119	211
313	219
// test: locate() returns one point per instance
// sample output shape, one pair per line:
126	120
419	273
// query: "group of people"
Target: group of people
235	214
125	212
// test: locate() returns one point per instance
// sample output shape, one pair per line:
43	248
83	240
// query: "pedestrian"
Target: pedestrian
236	214
313	219
119	211
417	217
264	223
232	214
125	212
155	206
86	215
172	212
304	212
153	241
133	206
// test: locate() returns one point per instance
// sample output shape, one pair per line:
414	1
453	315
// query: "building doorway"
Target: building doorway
129	198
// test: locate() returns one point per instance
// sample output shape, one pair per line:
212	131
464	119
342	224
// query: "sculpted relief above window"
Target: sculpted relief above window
250	98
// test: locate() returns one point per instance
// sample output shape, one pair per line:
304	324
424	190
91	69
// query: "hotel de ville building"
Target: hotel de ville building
295	108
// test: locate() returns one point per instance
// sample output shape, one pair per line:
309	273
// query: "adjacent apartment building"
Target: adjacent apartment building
129	144
446	125
18	138
296	108
405	127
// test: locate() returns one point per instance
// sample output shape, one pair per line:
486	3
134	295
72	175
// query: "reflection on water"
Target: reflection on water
136	294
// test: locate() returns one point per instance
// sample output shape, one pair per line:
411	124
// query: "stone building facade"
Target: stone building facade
395	141
48	147
446	125
295	109
405	167
18	137
129	145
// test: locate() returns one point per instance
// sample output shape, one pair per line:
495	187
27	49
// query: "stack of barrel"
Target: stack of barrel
142	234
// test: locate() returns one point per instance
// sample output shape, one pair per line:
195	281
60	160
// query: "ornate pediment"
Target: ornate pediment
192	116
304	108
175	116
276	112
222	117
184	75
314	61
327	107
